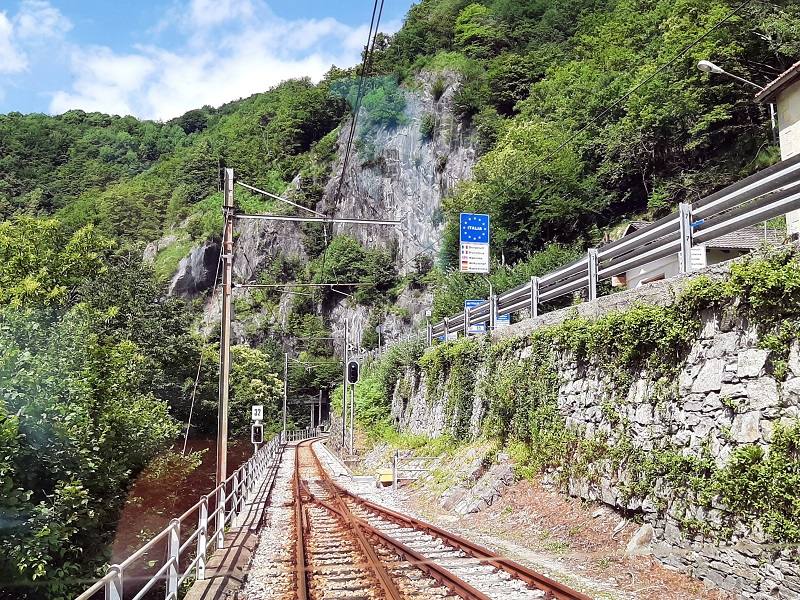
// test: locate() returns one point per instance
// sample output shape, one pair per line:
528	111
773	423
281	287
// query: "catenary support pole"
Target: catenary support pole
352	414
285	389
344	390
319	410
225	329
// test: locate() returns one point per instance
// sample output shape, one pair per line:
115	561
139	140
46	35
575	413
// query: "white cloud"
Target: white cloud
12	60
212	65
208	13
38	21
35	23
105	81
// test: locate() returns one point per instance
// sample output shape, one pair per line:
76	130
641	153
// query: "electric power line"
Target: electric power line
365	66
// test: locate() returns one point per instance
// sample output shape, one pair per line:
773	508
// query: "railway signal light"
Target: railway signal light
257	433
352	371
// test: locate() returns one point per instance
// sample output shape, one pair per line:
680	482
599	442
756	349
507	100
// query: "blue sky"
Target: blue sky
158	58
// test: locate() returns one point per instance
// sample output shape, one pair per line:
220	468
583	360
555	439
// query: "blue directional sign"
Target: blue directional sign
474	243
475	327
503	320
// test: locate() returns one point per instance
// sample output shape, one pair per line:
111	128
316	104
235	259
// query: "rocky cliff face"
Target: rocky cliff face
407	174
405	178
196	272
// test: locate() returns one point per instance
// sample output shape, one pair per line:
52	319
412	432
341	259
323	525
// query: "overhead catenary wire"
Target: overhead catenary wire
281	198
374	24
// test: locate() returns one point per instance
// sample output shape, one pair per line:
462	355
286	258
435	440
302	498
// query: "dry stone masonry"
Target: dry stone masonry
726	396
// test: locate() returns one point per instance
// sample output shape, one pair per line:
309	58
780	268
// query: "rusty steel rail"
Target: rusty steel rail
300	528
555	589
382	575
440	574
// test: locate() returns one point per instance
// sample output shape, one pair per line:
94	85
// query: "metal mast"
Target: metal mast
225	329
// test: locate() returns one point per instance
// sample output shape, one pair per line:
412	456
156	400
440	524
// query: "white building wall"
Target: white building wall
788	108
669	266
658	269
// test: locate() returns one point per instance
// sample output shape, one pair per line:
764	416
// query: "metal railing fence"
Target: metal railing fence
298	435
206	522
769	193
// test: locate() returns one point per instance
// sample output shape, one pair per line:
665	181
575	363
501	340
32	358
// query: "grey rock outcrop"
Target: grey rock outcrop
407	175
405	179
153	248
196	271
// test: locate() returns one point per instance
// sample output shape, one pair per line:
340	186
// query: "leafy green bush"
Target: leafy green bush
438	88
477	32
427	126
347	261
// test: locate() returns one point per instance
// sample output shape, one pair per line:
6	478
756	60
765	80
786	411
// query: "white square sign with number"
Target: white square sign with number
258	412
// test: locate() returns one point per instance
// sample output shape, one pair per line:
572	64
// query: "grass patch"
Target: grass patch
167	259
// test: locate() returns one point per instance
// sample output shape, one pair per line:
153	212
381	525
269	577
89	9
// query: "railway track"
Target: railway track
347	547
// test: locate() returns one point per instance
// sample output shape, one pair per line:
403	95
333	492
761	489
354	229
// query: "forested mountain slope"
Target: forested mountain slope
515	108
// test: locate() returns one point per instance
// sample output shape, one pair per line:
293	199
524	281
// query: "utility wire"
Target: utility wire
366	64
200	361
281	198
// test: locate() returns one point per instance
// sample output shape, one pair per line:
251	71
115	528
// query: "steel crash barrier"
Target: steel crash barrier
769	193
191	537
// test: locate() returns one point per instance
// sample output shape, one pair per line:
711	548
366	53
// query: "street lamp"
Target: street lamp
709	67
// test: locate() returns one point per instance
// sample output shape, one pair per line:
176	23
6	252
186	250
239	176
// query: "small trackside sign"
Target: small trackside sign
258	412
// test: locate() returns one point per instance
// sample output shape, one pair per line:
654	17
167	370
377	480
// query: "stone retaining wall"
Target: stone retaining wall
727	397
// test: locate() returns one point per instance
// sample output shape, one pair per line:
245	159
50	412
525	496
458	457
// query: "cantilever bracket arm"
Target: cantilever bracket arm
318	219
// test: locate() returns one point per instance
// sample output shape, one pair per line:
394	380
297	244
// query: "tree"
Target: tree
477	33
41	265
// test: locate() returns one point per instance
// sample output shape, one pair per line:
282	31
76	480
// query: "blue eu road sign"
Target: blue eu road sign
475	327
474	228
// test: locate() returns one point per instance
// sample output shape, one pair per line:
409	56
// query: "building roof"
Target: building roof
775	87
635	226
746	238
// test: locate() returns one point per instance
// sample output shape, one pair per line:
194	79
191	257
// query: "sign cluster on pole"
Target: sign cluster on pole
257	428
474	327
474	243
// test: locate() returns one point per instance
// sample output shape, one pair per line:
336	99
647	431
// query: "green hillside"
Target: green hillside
88	343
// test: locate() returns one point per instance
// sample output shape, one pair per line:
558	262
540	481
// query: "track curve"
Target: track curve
348	547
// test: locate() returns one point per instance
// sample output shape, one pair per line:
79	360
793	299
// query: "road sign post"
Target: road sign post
472	327
257	428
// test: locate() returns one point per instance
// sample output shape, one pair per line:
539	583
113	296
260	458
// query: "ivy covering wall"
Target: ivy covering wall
516	385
